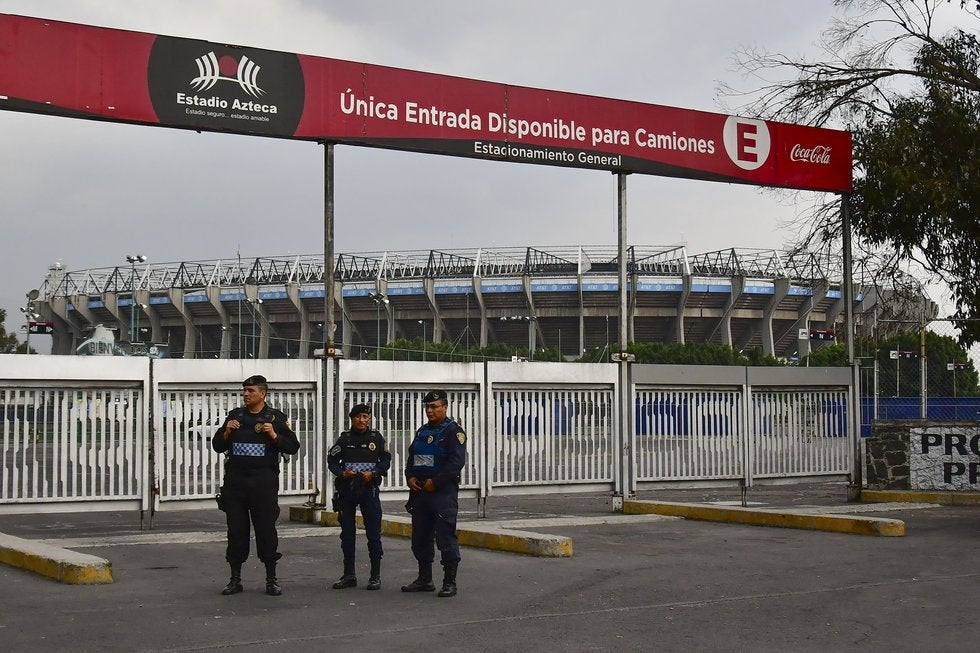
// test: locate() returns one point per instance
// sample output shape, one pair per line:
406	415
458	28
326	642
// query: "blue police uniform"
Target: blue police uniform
438	452
359	452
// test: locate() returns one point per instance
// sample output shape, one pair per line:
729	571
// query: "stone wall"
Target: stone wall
923	455
887	455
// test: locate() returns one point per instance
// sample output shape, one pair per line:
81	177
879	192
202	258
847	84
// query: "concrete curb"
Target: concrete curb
851	524
469	534
921	496
62	565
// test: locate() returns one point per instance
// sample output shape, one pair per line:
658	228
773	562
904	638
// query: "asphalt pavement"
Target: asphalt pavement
644	584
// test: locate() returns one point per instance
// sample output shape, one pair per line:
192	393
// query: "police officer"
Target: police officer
359	459
253	437
435	461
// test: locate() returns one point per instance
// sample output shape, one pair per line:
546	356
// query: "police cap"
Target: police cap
358	409
434	395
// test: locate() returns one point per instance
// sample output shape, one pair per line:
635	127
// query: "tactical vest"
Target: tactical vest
248	447
428	454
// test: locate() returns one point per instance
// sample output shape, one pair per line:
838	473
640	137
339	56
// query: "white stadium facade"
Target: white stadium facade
554	297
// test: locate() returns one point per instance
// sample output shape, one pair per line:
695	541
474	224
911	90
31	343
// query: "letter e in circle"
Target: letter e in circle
747	142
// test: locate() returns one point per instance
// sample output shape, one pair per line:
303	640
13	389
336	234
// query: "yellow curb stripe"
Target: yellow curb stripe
533	544
855	525
62	565
496	539
921	496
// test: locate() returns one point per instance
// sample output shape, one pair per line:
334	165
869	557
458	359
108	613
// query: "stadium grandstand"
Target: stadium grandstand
562	297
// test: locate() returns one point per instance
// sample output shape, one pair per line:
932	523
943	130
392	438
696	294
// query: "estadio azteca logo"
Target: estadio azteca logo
245	71
223	87
747	142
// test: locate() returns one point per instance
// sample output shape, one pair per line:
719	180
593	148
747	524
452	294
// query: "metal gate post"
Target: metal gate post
489	440
622	477
748	437
150	478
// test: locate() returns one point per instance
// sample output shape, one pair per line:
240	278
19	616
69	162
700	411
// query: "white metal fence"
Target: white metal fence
76	432
188	468
695	423
72	432
690	433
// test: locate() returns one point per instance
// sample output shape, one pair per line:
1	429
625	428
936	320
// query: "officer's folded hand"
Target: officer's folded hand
348	474
232	425
368	476
413	484
430	485
269	430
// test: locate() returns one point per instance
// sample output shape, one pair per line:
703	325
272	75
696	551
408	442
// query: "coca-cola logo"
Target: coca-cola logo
816	154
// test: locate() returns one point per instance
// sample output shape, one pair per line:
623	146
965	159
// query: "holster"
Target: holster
220	500
335	501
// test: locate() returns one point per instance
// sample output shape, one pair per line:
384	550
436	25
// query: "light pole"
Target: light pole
141	307
31	316
422	322
607	335
378	299
133	259
254	304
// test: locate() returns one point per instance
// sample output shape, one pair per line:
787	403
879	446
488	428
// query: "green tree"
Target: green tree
827	356
413	349
8	341
698	354
911	98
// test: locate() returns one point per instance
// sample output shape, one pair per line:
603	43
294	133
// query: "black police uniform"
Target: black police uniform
438	452
251	484
359	452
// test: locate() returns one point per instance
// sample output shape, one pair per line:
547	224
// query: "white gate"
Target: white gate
799	432
552	436
73	433
685	434
394	390
192	402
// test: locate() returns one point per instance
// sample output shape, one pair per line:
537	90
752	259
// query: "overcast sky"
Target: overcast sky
88	193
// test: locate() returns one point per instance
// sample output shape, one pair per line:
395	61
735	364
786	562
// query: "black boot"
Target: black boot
348	579
272	587
374	583
424	582
448	580
234	585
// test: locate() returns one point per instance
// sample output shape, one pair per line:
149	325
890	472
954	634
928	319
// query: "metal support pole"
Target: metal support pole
530	338
877	370
877	367
327	363
328	229
625	481
923	371
132	295
857	478
898	372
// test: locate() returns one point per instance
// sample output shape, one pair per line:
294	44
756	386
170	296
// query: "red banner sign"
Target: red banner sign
104	74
